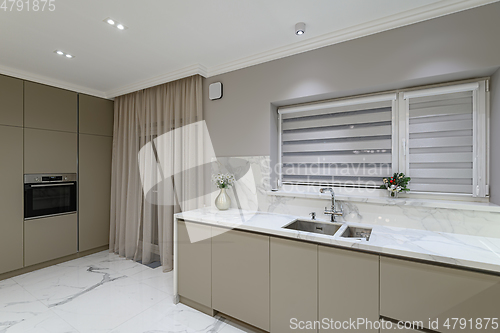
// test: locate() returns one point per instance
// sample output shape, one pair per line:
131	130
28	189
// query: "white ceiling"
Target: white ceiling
171	39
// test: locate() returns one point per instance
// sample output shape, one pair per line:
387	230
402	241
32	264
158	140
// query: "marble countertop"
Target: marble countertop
474	252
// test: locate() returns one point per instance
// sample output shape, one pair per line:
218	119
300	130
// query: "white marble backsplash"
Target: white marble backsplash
254	184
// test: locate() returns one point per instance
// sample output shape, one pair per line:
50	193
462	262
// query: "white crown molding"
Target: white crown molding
405	18
151	82
50	81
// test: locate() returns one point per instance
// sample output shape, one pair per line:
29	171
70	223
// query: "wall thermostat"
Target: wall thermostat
215	91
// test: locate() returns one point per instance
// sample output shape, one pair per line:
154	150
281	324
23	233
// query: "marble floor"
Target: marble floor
99	293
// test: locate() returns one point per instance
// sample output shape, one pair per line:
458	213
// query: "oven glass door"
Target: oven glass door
49	199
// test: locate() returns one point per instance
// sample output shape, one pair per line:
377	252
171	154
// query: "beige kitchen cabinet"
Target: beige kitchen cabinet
49	238
96	115
94	189
11	198
412	291
11	101
240	276
49	151
195	264
348	286
294	283
49	108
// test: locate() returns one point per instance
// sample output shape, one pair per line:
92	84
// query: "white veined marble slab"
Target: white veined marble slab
100	293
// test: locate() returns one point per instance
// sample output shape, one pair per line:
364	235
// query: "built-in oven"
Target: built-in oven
49	194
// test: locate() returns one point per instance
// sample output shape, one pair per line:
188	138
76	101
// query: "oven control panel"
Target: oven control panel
49	178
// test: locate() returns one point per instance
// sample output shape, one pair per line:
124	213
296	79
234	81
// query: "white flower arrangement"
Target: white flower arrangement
223	180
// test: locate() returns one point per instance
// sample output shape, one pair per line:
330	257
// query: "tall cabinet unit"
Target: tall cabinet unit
95	150
50	121
47	130
50	146
11	167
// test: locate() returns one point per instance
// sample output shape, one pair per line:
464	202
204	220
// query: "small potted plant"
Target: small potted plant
396	184
223	181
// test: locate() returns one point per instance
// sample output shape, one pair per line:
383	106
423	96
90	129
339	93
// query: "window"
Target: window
437	136
446	132
344	143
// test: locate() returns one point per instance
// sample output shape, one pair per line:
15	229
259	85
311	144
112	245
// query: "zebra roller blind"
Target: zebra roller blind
341	143
441	143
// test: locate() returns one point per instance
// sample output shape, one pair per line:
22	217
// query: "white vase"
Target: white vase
223	201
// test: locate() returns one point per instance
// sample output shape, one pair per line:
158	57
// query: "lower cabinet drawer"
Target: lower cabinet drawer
422	293
49	238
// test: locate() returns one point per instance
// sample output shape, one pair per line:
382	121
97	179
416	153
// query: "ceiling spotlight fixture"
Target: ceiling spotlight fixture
300	28
61	53
115	24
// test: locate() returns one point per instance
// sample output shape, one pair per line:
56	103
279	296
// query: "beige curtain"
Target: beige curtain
155	148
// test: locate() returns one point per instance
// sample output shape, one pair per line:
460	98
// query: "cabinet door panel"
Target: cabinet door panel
49	151
348	285
49	238
11	101
94	190
294	283
49	108
11	198
419	292
240	276
195	263
96	115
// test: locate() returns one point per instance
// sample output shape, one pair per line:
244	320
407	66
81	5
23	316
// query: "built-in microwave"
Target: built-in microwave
49	194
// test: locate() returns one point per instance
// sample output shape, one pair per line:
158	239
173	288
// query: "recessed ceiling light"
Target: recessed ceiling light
300	28
61	53
114	23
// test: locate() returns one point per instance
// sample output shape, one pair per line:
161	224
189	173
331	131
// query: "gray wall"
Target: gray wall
458	46
495	138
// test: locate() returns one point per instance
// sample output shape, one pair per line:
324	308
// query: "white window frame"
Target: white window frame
400	135
338	103
480	131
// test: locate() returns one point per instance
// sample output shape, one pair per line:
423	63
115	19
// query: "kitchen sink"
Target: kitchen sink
357	233
316	227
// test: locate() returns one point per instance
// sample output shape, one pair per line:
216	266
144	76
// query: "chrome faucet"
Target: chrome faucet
332	212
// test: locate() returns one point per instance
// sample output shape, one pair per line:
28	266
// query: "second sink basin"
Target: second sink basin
359	233
316	227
